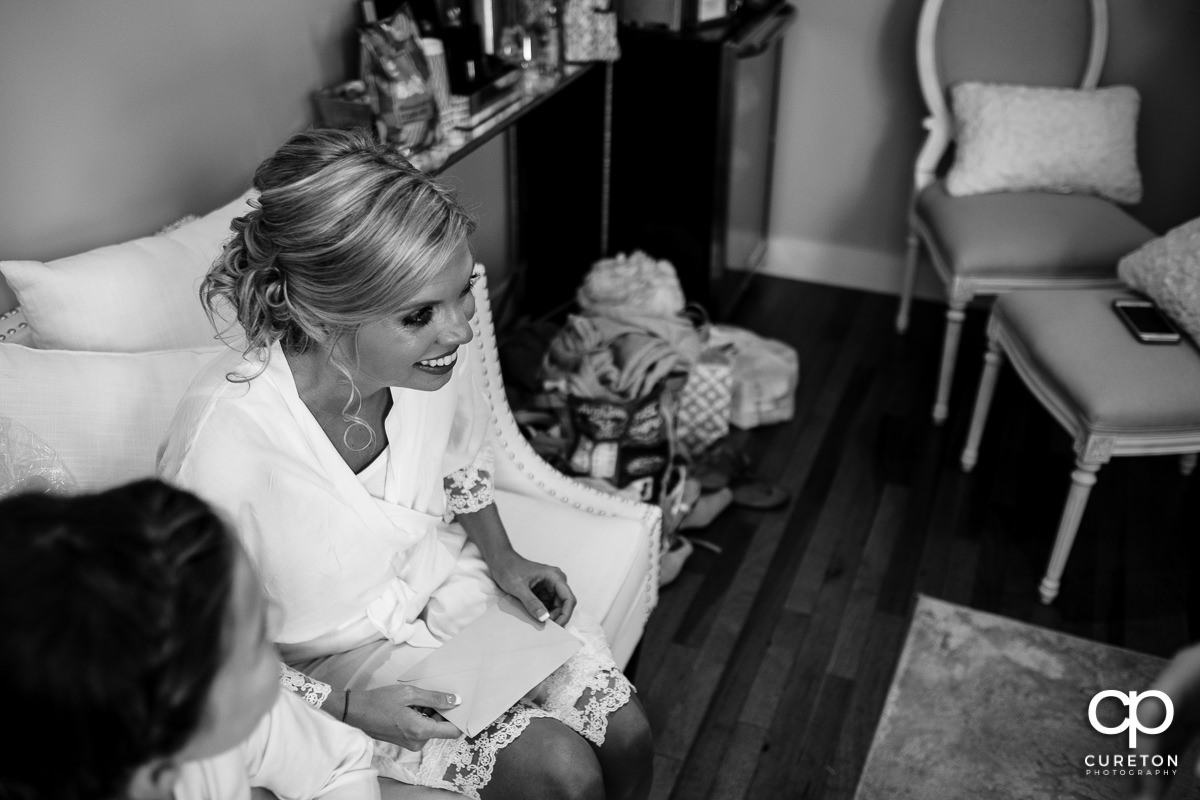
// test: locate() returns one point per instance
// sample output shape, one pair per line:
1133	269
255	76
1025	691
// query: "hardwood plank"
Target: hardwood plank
814	768
666	772
774	668
871	683
737	764
674	601
854	634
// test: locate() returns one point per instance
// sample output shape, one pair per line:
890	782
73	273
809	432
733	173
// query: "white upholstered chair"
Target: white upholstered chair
987	244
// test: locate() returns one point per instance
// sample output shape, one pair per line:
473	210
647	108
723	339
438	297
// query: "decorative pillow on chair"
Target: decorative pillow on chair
135	296
1167	270
104	414
1024	138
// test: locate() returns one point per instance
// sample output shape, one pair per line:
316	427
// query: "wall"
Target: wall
850	127
120	116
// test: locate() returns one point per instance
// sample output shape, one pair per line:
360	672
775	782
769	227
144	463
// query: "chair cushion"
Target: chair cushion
1035	234
1073	346
606	559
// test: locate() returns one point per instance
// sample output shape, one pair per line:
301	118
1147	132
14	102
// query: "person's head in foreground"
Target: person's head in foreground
135	639
352	257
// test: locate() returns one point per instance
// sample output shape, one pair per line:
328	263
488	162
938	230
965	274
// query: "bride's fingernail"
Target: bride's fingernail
452	699
545	615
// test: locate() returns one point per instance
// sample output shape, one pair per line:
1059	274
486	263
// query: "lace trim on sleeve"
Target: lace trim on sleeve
470	489
311	691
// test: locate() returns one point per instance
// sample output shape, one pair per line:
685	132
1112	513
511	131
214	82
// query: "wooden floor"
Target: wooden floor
764	668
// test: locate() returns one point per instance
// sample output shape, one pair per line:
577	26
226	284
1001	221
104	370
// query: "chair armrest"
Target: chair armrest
520	470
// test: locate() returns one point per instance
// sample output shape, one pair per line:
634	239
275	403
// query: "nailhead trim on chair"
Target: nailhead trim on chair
11	331
505	424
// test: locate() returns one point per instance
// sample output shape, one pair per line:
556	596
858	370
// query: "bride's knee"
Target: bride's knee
629	733
571	770
549	761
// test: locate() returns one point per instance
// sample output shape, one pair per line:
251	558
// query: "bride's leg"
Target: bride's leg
627	755
548	761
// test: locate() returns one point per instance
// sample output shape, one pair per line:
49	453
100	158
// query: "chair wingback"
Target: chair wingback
519	468
1032	42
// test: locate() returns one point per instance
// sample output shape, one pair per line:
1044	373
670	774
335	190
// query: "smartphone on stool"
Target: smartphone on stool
1146	321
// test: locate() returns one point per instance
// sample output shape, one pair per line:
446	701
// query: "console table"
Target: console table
556	169
693	148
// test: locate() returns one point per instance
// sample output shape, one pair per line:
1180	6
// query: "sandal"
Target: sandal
760	495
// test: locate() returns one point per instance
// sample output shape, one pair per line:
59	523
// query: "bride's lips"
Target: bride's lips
439	365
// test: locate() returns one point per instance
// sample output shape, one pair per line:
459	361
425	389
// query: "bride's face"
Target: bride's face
417	347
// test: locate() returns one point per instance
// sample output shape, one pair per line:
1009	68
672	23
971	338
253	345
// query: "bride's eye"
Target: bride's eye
419	318
474	279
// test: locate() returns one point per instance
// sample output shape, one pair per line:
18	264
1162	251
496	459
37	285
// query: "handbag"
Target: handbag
590	31
626	444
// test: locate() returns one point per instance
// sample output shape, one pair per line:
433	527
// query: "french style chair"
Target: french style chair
987	244
1114	395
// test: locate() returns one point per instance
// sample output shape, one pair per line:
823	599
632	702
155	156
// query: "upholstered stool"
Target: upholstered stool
1114	395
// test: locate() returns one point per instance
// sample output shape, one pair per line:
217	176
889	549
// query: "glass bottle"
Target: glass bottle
549	59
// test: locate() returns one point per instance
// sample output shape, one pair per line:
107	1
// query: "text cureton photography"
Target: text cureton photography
1130	764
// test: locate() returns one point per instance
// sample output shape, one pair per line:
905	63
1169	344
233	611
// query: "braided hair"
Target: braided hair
113	611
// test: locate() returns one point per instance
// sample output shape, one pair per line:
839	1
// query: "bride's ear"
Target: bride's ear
154	781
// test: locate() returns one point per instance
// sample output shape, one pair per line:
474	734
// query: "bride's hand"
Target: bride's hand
542	589
389	713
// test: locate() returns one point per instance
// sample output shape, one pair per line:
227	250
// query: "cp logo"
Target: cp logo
1131	699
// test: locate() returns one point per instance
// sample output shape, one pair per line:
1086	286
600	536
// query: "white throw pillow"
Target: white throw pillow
136	296
103	413
1167	270
1024	138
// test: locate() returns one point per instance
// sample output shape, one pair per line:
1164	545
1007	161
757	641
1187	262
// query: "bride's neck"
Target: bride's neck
325	388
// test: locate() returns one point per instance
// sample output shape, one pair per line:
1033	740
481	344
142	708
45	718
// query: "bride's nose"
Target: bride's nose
458	328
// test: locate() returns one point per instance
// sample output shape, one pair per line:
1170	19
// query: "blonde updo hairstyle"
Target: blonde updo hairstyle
344	232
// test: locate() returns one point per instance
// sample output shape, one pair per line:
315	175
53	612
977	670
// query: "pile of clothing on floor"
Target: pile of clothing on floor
638	392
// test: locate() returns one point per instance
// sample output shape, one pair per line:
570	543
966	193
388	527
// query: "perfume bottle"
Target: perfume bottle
549	58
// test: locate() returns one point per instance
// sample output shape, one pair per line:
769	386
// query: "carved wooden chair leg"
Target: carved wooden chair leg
1083	478
993	359
1187	463
912	256
955	315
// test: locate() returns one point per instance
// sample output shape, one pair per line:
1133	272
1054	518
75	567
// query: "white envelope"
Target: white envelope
492	663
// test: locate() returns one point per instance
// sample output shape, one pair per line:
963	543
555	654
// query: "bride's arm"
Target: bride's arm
470	500
541	588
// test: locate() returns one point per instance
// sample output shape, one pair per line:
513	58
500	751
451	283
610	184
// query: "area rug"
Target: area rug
987	707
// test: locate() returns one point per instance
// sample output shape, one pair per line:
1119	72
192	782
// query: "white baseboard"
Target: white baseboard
841	265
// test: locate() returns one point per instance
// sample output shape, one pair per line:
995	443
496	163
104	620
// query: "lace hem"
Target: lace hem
465	765
584	692
470	489
312	691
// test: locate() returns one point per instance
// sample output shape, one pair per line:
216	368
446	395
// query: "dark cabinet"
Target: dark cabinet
693	139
